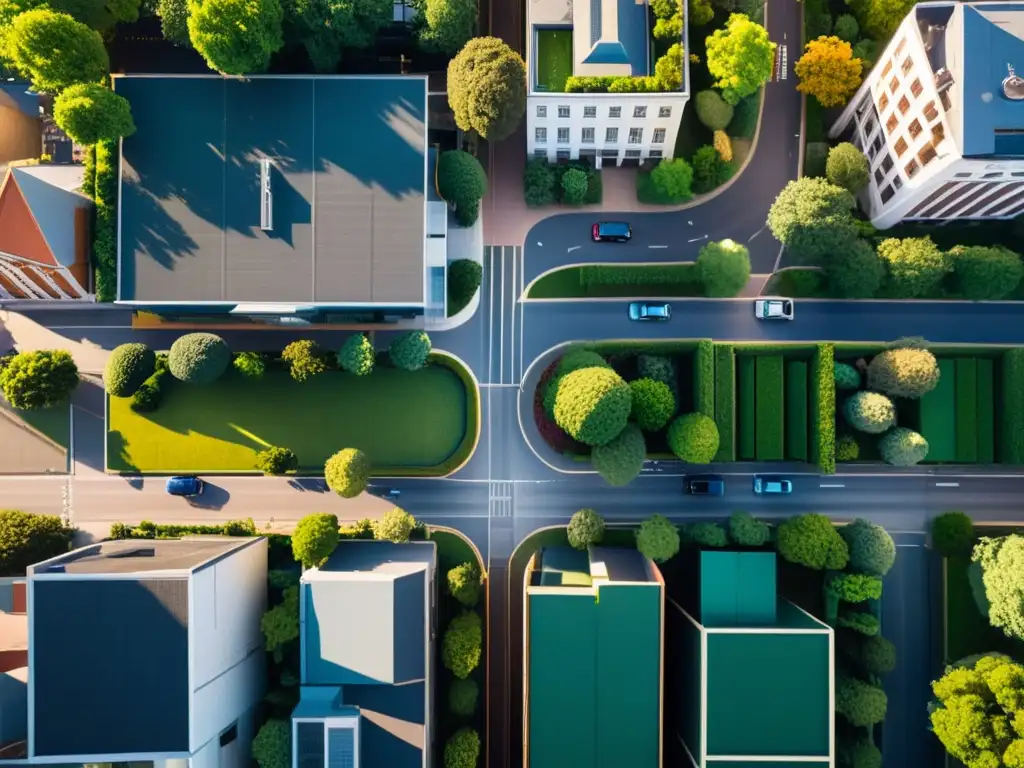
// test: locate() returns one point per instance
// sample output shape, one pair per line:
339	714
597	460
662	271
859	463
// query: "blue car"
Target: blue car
767	484
184	486
642	311
705	485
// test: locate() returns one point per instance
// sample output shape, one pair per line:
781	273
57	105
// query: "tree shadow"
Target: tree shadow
118	455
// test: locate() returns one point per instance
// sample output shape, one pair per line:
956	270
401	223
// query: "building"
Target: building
21	122
147	650
593	628
596	38
941	116
751	674
279	199
367	625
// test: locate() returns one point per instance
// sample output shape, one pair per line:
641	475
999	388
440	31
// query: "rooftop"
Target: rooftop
347	179
37	213
141	556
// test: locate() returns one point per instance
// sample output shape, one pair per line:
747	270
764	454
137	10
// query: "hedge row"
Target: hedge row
89	172
938	414
796	410
670	274
725	401
769	408
104	245
150	530
986	411
823	408
704	378
1013	407
748	395
966	410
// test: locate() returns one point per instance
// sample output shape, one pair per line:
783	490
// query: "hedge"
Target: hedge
986	411
938	415
823	408
796	410
966	410
89	172
150	530
769	408
725	401
746	407
704	378
1013	407
104	247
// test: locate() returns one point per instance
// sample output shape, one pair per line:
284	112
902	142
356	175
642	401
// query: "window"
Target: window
655	153
915	129
659	136
904	105
540	135
664	111
588	136
542	111
899	48
916	88
611	135
562	154
897	181
229	735
887	164
891	123
540	153
927	154
879	176
613	153
894	84
1018	174
590	111
994	175
911	169
887	70
614	112
563	135
878	142
930	112
946	103
961	175
887	194
901	147
563	111
636	135
639	111
938	134
883	102
632	153
908	64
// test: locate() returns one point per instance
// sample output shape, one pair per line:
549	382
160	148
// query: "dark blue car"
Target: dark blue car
184	486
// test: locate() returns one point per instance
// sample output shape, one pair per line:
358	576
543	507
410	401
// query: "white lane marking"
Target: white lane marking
696	239
831	485
657	246
751	238
573	248
947	485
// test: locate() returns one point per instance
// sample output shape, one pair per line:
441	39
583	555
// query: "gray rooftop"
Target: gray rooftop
348	180
141	556
619	564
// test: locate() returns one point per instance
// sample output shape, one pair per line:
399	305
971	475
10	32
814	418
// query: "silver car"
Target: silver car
773	309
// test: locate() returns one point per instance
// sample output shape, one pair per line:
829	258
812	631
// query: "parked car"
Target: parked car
773	309
184	485
611	232
641	310
770	484
705	485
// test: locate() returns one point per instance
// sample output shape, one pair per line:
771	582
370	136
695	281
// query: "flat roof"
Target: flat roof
140	556
348	179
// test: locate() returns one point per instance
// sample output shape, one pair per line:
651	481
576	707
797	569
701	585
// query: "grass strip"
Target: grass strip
796	410
704	378
823	408
725	401
1012	443
966	410
986	411
938	415
748	444
769	408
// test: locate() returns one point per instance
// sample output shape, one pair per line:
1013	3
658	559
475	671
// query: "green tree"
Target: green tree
88	113
694	438
658	539
859	621
860	753
461	646
906	372
127	367
867	51
410	350
724	269
276	461
174	21
876	655
707	169
463	749
659	368
747	531
813	218
712	110
39	379
198	358
740	57
487	88
464	583
707	535
236	37
395	526
846	376
847	448
812	541
855	587
27	539
668	70
347	472
915	266
448	25
862	704
855	272
252	365
578	358
280	624
585	527
305	359
872	550
869	412
847	29
953	534
674	179
33	37
315	538
621	459
592	405
464	278
986	273
462	697
574	186
653	404
272	746
847	166
357	355
882	17
902	447
1002	563
461	181
539	182
99	15
699	13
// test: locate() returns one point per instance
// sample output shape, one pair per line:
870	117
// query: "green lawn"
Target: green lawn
554	59
938	415
796	410
608	281
769	415
403	420
746	407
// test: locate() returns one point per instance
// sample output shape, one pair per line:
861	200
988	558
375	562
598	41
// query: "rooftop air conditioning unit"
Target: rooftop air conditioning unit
1013	85
266	199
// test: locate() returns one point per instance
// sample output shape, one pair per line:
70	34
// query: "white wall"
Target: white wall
221	702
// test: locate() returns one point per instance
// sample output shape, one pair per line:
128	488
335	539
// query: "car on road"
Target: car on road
773	309
184	485
771	484
642	311
611	232
705	485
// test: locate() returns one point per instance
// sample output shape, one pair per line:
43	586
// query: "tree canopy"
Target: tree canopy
276	460
487	88
1002	563
855	272
622	458
447	25
198	358
39	379
236	37
847	167
653	404
315	538
89	113
33	37
953	534
724	268
461	646
127	367
872	550
712	110
812	541
869	412
907	372
740	57
464	583
592	405
585	527
27	539
305	359
986	273
915	266
657	538
882	17
862	704
272	746
357	355
396	526
902	447
813	218
410	351
347	472
462	750
748	531
694	438
461	181
674	178
828	71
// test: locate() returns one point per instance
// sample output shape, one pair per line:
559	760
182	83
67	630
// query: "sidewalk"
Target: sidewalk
25	334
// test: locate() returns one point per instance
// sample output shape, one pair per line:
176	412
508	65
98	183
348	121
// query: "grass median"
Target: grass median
595	281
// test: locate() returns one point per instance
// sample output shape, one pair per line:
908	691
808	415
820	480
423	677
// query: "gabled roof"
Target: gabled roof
37	212
610	37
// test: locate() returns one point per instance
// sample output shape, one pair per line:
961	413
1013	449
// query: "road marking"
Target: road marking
657	246
831	485
947	485
499	386
540	243
751	238
573	248
499	503
696	239
690	223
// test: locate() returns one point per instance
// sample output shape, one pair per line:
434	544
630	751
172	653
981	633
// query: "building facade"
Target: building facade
941	116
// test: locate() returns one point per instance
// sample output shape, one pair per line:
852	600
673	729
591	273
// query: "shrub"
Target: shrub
464	278
574	186
464	583
813	218
905	372
747	531
859	621
869	412
305	359
902	447
461	180
347	472
847	29
867	51
487	88
620	460
823	408
357	355
862	704
860	753
280	624
712	110
276	461
1002	562
147	398
462	749
104	246
657	539
855	587
740	57
707	535
668	69
724	268
39	379
706	169
986	274
877	655
198	358
539	182
847	167
953	534
252	365
872	550
395	526
812	541
847	448
847	377
592	405
915	266
586	527
674	179
653	404
828	71
693	438
723	146
661	369
410	351
462	697
578	358
90	112
460	649
315	538
236	37
27	539
127	367
272	746
854	273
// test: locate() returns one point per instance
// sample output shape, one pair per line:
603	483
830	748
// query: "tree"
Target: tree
39	379
315	538
448	25
869	412
707	535
740	57
276	461
699	13
707	169
236	37
539	182
1002	562
846	376
89	113
813	218
723	268
305	359
902	447
357	355
856	272
174	21
127	367
487	88
461	181
585	528
410	351
867	51
464	278
712	110
694	438
347	472
280	624
653	404
673	178
578	358
828	71
877	656
862	704
464	583
855	587
847	167
747	531
592	405
659	368
620	460
859	621
812	541
847	448
33	37
460	648
915	266
395	526
574	186
904	372
860	754
872	550
252	365
847	29
272	746
986	273
668	70
27	539
657	539
463	749
882	17
462	697
198	358
953	534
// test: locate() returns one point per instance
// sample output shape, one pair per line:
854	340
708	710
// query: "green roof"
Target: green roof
737	589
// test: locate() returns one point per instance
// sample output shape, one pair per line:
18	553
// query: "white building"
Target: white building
596	38
941	116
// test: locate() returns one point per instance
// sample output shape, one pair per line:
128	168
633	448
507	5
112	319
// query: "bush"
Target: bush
198	358
464	583
464	278
724	268
104	246
305	359
592	405
674	179
856	272
862	704
252	365
905	372
744	121
859	621
693	438
877	655
823	408
395	526
986	274
357	355
1002	562
39	379
855	587
462	697
847	377
347	472
574	186
461	647
578	358
272	746
704	379
747	531
661	369
27	539
847	448
723	146
872	549
127	367
867	51
462	749
487	88
712	111
847	167
539	182
953	534
621	459
315	538
653	404
869	412
902	447
860	754
586	527
657	539
90	112
276	461
461	180
706	169
915	267
707	535
1012	402
813	218
847	29
812	541
410	351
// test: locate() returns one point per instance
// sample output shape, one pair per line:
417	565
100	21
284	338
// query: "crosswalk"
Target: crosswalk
503	267
499	503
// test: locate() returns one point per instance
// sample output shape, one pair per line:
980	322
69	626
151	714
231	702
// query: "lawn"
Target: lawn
609	281
768	409
725	401
554	59
402	420
938	415
957	418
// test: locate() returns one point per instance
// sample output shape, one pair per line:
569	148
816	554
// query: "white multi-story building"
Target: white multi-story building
941	116
596	38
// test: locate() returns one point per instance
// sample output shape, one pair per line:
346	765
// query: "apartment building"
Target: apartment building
941	116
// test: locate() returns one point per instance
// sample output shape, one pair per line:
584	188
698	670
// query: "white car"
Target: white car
773	309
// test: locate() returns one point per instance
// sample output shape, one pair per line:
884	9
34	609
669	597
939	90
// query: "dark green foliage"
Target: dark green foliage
447	25
862	704
812	541
867	51
747	531
27	539
986	420
847	377
104	246
462	644
707	535
953	534
578	358
847	166
148	396
347	472
1012	402
34	36
305	359
174	21
461	180
276	461
487	88
464	583
592	405
89	173
272	746
620	460
585	527
90	112
462	697
724	268
198	358
905	372
869	412
661	369
902	447
357	354
39	379
410	350
252	365
653	404
859	621
463	749
966	410
860	754
815	158
574	186
872	550
855	272
823	408
657	539
315	538
847	448
712	110
914	267
855	587
847	28
817	23
673	179
877	655
464	278
797	410
769	408
704	378
725	401
747	400
693	437
707	169
813	218
539	182
986	274
127	367
745	117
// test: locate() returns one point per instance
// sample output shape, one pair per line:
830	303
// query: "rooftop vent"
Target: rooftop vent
1013	85
266	200
943	79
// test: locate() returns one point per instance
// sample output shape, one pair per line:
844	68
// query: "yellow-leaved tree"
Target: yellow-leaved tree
828	71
